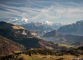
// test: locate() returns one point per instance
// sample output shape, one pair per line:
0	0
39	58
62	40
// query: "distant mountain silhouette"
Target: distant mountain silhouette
60	38
51	34
74	29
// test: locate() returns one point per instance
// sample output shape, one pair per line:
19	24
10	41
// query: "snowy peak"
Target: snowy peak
25	20
47	22
40	23
43	22
18	21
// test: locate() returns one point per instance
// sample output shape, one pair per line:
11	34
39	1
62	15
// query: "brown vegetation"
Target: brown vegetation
44	54
8	46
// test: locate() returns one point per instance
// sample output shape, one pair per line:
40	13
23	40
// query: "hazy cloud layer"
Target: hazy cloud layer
52	10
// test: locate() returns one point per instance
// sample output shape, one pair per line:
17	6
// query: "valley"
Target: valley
27	44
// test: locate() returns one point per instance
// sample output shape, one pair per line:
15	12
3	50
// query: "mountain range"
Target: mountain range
74	29
60	38
26	39
40	27
22	36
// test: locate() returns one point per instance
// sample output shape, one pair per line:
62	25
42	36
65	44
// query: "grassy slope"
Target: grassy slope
46	57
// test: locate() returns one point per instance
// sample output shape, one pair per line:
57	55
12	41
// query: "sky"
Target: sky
66	11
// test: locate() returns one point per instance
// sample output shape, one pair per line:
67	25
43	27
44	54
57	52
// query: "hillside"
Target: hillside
46	54
7	46
51	34
74	29
60	38
27	39
11	30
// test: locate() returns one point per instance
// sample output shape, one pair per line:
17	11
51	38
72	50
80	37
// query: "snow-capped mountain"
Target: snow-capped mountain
46	22
20	21
41	27
25	21
37	27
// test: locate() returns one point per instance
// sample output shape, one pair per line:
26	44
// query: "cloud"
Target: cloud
42	10
54	12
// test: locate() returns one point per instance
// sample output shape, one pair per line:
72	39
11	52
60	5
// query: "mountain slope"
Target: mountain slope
51	34
60	38
37	27
42	27
27	39
74	29
7	46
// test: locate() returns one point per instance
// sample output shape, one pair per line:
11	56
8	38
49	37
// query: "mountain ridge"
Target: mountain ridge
74	29
61	38
28	40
